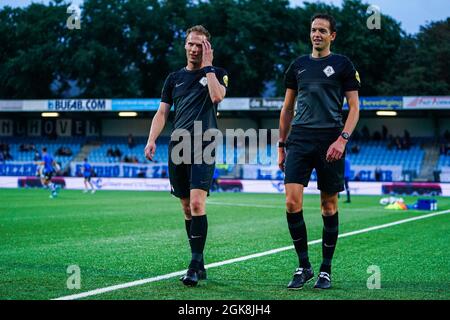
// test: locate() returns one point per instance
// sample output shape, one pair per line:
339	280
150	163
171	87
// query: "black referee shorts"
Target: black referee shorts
306	149
185	177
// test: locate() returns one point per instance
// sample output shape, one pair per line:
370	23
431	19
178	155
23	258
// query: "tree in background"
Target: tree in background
127	48
33	51
251	39
420	66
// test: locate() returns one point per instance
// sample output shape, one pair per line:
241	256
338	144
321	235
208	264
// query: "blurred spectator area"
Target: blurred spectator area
29	149
376	152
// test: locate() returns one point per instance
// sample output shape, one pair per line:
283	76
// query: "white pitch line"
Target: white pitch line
244	258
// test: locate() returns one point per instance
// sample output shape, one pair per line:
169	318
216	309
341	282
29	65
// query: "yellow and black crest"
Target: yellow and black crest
225	80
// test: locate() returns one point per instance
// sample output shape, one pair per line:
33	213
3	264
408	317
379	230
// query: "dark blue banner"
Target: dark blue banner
18	169
123	170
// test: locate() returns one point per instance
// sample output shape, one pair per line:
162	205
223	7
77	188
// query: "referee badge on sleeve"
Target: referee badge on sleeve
357	77
225	80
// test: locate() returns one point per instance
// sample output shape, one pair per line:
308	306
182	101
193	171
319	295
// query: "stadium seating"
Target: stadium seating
73	143
120	143
444	162
101	154
376	153
372	153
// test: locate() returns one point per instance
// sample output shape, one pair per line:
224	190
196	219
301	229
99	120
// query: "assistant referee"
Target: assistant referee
315	137
195	91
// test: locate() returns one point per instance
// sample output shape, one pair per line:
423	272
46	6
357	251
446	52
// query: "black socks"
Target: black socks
297	229
329	240
187	224
197	240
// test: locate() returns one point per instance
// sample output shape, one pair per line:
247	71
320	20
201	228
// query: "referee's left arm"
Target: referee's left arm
216	90
337	149
353	114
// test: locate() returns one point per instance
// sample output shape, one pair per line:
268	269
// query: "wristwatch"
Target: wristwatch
209	69
281	144
345	135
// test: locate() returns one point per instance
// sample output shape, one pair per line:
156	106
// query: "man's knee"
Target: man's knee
293	204
294	198
187	213
198	200
197	206
329	206
185	204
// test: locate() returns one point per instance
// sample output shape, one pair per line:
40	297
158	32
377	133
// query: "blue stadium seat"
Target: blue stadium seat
376	153
444	162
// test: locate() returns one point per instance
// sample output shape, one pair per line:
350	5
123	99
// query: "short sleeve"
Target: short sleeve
290	80
222	76
166	94
351	79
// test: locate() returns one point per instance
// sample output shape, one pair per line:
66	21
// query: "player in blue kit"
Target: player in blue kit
87	174
49	169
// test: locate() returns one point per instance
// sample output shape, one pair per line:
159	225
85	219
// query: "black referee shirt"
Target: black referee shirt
188	92
321	85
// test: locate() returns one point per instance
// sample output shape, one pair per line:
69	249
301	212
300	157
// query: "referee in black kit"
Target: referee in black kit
195	91
317	140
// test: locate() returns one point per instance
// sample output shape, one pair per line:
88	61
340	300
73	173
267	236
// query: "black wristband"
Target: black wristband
209	69
281	144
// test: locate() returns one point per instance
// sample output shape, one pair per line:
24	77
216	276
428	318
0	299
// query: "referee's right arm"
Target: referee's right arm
286	116
158	123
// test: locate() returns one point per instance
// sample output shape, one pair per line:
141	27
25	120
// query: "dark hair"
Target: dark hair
327	17
199	29
85	159
44	149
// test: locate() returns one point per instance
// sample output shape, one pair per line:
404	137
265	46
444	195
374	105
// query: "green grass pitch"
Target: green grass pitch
119	236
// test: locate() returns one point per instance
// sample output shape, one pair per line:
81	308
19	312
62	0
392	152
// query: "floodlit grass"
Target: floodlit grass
118	236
